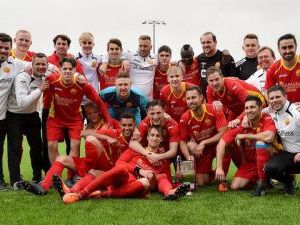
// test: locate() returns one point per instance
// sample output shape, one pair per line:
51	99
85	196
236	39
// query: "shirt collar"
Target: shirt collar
285	107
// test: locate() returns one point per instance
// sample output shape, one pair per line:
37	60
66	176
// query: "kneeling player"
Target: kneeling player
255	143
201	127
99	155
133	175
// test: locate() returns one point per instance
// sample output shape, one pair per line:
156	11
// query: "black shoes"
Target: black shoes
261	189
181	191
17	186
34	188
3	186
60	186
289	186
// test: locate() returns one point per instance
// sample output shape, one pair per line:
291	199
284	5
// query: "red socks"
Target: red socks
262	156
163	184
115	176
56	168
82	183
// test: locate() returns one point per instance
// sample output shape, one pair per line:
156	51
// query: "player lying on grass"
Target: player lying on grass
132	176
102	149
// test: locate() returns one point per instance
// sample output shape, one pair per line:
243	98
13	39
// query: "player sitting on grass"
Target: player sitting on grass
133	176
102	149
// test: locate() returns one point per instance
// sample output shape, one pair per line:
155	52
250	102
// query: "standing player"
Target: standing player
248	65
286	71
122	180
102	149
265	58
114	66
9	68
192	71
160	76
255	143
142	66
61	45
64	98
89	62
211	56
173	95
201	127
23	43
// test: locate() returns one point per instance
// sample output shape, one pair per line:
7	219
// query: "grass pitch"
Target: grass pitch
205	206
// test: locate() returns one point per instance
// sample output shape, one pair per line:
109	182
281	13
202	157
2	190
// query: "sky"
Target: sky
185	21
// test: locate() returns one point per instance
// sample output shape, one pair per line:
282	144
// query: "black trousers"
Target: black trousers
30	125
46	163
2	138
281	166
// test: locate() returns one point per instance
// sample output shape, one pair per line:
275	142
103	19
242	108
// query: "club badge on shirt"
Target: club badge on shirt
73	91
286	121
94	64
6	69
128	105
208	122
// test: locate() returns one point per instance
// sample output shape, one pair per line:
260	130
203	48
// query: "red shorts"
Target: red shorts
248	171
204	163
84	165
56	129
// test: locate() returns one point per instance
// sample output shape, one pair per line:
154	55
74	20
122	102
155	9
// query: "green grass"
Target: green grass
206	206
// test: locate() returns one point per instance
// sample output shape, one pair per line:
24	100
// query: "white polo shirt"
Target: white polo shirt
287	122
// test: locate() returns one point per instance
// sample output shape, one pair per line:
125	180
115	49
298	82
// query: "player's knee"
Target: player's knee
191	145
271	168
235	186
63	159
202	180
52	146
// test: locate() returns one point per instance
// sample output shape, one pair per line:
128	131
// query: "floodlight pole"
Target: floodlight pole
154	23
